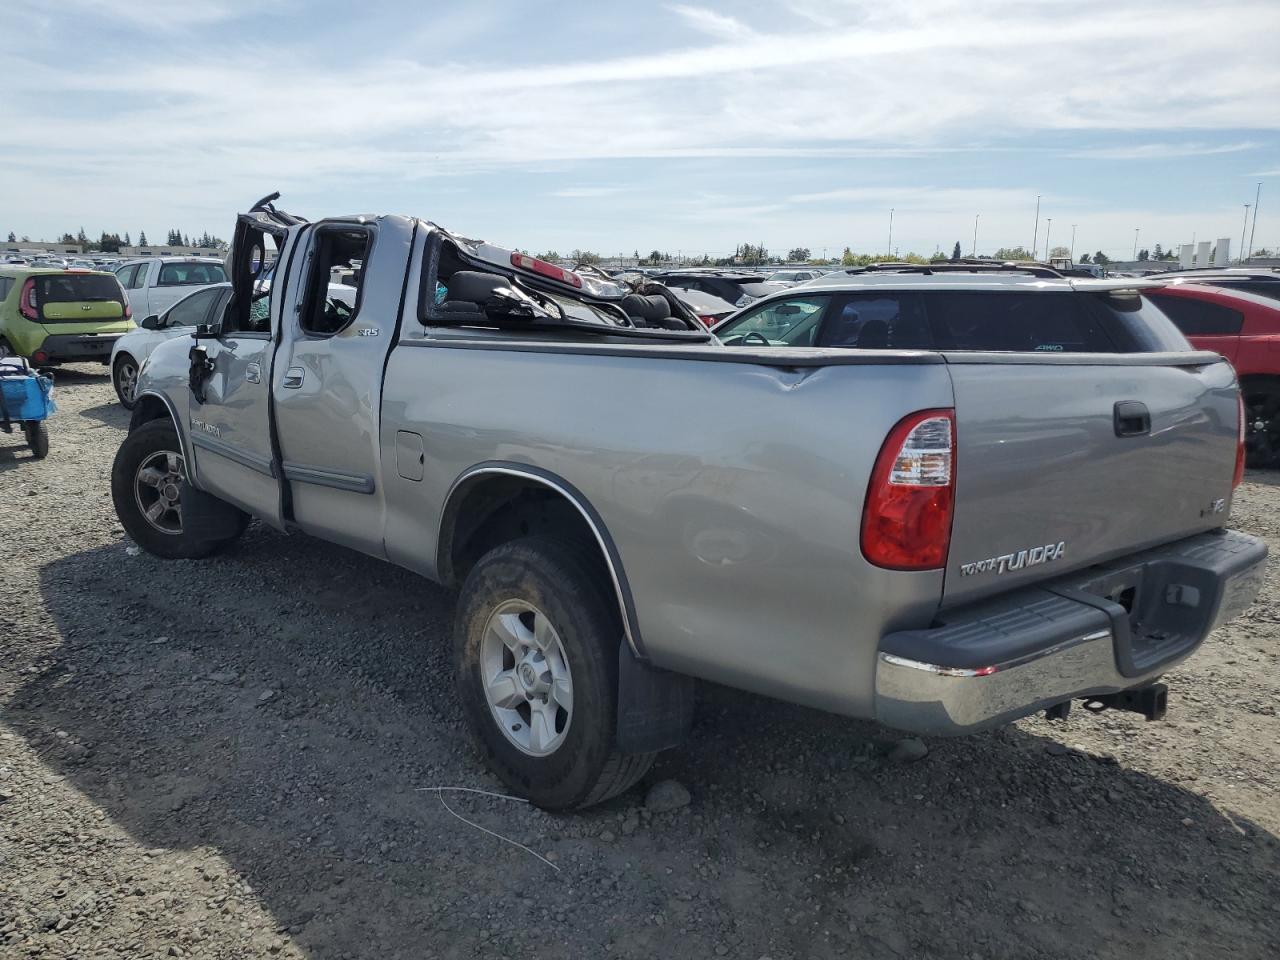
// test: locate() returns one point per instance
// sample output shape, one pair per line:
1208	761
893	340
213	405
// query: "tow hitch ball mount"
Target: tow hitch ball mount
1152	701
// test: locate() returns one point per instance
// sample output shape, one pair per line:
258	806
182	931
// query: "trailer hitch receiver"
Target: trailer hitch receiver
1152	701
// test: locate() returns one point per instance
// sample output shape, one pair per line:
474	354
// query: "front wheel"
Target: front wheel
536	653
36	433
147	478
124	377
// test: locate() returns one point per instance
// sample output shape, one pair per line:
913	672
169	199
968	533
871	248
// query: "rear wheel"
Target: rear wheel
124	377
36	433
147	478
536	654
1262	424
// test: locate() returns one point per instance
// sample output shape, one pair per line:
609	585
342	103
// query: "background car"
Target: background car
1265	283
181	319
1243	326
154	284
791	277
710	309
734	286
54	316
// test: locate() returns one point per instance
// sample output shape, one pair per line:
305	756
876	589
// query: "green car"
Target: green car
54	316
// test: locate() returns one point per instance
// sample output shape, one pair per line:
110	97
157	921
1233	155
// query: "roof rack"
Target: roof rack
963	266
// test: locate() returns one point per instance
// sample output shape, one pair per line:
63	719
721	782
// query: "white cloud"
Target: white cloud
1162	151
714	24
826	80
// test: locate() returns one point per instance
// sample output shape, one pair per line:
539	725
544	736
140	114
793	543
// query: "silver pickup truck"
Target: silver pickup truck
939	540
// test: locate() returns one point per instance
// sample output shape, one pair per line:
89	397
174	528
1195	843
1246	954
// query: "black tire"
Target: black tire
148	443
37	436
1262	420
564	583
123	362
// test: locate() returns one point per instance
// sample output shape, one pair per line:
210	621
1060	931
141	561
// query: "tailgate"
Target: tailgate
1055	471
79	297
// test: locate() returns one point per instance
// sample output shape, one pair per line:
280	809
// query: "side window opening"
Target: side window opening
338	252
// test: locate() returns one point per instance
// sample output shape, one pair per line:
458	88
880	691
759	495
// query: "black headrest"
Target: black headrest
655	309
473	286
633	306
874	335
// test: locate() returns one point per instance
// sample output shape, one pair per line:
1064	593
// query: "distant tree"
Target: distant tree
142	238
1157	253
749	253
585	257
655	257
548	255
186	241
1084	258
12	238
82	238
25	238
847	258
1101	258
1060	252
955	251
127	241
798	254
1169	255
1013	253
65	238
1144	254
938	257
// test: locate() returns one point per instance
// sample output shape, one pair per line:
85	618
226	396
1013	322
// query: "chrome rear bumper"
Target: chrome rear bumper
1030	649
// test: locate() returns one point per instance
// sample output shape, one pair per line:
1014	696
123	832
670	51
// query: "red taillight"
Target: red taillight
128	311
906	521
27	301
39	357
526	262
708	320
1239	474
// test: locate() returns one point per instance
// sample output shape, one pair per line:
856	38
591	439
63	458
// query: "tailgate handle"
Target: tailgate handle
1132	418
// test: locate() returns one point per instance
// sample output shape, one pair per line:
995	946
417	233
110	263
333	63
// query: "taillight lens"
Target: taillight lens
526	262
906	521
1239	474
27	301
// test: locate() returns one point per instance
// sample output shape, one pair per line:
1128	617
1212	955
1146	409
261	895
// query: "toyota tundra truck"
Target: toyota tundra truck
940	540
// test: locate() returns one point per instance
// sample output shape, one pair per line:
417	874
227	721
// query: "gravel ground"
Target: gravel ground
227	759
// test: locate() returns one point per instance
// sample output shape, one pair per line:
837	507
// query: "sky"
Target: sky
683	127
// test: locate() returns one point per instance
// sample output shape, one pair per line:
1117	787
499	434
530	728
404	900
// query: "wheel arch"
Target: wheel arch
150	405
495	502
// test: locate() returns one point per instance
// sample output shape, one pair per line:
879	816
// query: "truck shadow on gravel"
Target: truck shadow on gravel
271	714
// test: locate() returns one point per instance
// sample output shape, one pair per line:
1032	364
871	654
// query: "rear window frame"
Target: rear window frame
160	282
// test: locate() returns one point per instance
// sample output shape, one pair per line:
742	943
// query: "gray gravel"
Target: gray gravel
225	759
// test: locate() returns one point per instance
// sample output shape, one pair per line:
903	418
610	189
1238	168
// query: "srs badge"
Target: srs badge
1006	562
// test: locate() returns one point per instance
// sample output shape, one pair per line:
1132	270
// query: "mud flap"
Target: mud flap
205	517
655	707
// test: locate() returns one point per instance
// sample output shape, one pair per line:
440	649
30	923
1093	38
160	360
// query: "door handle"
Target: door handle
293	378
1131	418
253	373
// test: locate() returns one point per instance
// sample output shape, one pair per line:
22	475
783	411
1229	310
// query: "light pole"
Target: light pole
1136	230
974	252
1047	228
1072	254
1244	227
891	232
1035	234
1248	252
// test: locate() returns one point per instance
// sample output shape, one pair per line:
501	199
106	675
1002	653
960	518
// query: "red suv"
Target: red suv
1245	328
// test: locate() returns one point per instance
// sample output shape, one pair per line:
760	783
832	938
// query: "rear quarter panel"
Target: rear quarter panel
733	493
